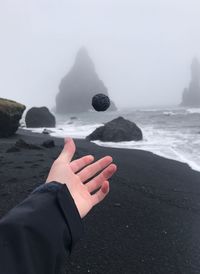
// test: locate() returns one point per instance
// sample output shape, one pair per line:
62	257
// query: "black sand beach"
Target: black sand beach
149	223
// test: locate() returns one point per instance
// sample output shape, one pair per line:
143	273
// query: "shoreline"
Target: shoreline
148	223
193	165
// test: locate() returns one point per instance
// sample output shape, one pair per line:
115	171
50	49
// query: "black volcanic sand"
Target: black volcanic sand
149	223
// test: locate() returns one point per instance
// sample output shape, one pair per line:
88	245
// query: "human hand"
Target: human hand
74	174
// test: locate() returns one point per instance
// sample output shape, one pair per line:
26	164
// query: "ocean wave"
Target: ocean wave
193	110
176	146
175	138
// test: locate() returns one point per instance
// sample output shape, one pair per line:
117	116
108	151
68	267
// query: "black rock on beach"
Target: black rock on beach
40	117
117	130
10	115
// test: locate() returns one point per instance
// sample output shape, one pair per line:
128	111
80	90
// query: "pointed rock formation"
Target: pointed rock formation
79	86
191	95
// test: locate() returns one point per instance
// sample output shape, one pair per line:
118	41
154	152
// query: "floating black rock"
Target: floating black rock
100	102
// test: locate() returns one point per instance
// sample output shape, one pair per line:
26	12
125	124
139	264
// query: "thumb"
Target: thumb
68	150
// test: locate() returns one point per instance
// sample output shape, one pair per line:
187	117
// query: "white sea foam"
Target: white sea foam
170	113
193	110
173	135
165	144
69	130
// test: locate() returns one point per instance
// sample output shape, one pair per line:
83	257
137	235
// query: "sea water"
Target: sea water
171	132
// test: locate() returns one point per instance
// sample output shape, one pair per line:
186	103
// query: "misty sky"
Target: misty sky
142	49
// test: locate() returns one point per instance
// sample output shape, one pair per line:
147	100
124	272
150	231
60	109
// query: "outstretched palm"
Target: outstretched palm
75	174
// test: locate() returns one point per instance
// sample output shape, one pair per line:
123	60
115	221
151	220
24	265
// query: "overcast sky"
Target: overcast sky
142	49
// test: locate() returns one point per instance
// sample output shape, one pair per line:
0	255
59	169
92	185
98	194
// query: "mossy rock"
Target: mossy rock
10	115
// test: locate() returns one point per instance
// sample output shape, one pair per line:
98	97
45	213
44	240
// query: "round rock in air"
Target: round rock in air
100	102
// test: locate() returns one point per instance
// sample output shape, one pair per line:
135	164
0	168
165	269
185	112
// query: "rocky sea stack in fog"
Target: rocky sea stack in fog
79	86
10	115
191	95
40	117
117	130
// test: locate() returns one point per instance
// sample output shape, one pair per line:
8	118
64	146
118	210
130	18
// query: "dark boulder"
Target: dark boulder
39	117
79	86
48	143
21	144
13	149
47	131
191	95
10	115
117	130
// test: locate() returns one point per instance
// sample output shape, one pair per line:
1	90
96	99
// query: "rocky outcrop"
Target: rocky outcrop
48	143
40	117
79	86
10	115
117	130
21	144
191	95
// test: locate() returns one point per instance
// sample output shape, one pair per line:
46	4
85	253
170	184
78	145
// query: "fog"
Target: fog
142	49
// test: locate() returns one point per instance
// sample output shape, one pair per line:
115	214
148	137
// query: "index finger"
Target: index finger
92	169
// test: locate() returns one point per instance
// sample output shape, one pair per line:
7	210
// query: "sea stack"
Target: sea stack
191	95
78	87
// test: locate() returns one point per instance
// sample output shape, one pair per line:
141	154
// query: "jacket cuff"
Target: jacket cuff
71	215
68	208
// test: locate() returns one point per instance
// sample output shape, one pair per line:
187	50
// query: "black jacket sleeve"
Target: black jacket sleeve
36	233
